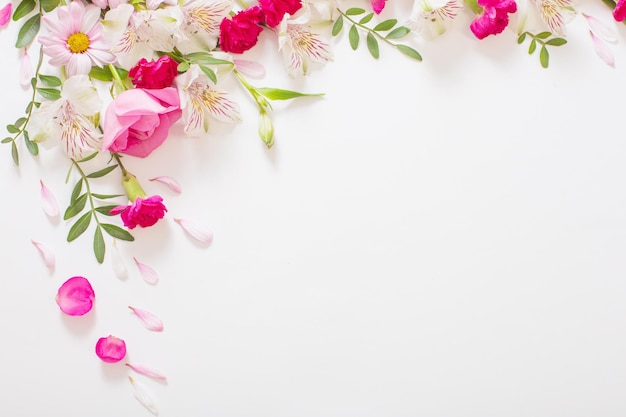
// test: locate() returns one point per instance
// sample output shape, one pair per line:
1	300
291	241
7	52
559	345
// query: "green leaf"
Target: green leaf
410	52
399	32
79	227
204	58
14	154
353	37
532	47
49	5
543	35
372	45
183	66
353	11
50	80
12	129
98	245
102	172
29	107
280	94
521	38
88	157
22	9
337	26
209	73
556	42
385	25
20	122
106	196
49	93
32	147
544	57
7	140
117	232
76	191
106	210
76	206
28	31
366	18
101	74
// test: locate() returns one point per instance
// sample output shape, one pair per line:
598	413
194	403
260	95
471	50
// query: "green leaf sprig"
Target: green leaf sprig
385	31
542	39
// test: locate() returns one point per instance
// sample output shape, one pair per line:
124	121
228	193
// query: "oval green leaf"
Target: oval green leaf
385	25
337	26
22	9
365	19
117	232
355	11
544	57
372	45
28	31
410	52
75	207
99	246
399	32
556	42
79	227
102	172
353	37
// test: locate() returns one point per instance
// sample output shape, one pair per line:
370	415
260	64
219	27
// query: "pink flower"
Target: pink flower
241	33
619	12
5	14
275	10
138	120
494	19
111	349
143	212
378	5
154	74
75	297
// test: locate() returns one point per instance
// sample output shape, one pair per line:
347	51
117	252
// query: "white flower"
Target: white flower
300	46
536	16
432	18
201	24
68	119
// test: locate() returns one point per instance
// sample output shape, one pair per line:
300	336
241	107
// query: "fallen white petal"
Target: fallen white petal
603	50
196	230
147	371
600	29
170	182
46	254
49	202
148	319
149	275
119	266
250	68
143	396
26	69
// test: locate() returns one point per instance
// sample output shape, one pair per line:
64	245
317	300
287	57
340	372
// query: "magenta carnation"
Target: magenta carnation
143	212
241	33
275	10
154	74
495	17
619	12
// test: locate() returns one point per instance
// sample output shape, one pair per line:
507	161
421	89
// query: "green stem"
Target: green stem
258	97
119	162
362	26
88	187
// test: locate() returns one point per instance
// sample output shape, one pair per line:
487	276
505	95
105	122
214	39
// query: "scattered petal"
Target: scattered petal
5	14
143	396
75	297
119	266
197	231
26	69
603	50
149	320
111	349
250	68
600	28
147	371
149	275
46	253
50	205
169	181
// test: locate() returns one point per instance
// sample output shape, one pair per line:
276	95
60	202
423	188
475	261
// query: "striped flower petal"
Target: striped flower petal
603	50
148	273
49	202
148	319
170	182
46	254
147	371
196	230
143	395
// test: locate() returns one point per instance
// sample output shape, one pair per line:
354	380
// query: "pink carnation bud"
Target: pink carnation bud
75	297
111	349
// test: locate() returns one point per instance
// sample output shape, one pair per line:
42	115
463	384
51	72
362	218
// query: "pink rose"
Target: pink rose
241	33
495	17
275	10
154	74
143	212
138	120
111	349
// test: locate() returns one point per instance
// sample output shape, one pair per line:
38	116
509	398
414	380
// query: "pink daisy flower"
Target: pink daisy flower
75	39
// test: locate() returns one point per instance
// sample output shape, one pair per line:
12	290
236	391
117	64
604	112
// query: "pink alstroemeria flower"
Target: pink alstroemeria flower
494	19
111	349
75	297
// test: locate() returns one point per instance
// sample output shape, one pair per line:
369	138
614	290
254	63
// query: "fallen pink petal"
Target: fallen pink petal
196	230
5	14
76	296
111	349
147	371
603	50
600	28
49	202
148	273
170	182
250	68
143	395
148	319
118	264
26	69
46	254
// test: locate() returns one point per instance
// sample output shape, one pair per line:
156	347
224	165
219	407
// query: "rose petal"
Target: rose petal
111	349
250	68
5	14
149	320
147	371
170	182
599	28
149	275
75	297
196	230
603	50
46	254
49	202
143	396
119	266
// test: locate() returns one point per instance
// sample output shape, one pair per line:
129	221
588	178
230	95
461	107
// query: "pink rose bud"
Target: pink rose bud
75	297
111	349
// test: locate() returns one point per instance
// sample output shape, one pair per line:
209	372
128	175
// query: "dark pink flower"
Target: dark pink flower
143	212
378	5
5	14
241	33
75	297
619	12
494	19
275	10
154	74
111	349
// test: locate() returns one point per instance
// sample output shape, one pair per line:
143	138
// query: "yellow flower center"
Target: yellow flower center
78	43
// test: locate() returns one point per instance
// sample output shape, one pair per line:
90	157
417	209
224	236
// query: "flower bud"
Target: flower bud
266	129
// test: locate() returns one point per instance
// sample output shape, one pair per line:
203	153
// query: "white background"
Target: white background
443	238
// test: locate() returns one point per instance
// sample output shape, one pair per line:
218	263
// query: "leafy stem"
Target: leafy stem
543	39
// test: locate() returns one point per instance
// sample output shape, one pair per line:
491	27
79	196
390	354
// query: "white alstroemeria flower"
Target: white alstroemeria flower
67	120
139	34
301	46
431	18
200	101
315	12
201	24
536	16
